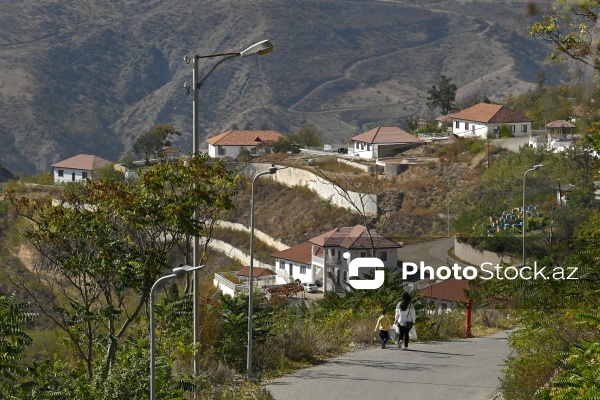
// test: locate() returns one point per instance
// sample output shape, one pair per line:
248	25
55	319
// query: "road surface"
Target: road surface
466	369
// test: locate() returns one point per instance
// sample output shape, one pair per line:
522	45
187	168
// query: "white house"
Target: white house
78	168
228	144
485	120
309	260
383	141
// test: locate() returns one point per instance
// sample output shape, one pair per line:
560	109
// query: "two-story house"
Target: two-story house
485	120
322	257
230	143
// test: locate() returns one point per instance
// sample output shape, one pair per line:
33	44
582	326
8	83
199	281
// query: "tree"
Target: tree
13	340
307	136
444	96
103	247
571	27
151	143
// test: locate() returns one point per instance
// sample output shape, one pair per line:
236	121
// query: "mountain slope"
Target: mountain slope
89	77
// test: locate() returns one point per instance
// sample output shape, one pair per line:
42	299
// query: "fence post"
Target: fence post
468	322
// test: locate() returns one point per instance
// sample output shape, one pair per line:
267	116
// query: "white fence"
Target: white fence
263	237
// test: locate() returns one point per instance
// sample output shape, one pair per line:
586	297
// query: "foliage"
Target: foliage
307	136
442	96
104	246
569	26
151	143
108	172
13	340
244	155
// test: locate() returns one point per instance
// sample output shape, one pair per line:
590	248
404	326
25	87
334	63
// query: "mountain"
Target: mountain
90	76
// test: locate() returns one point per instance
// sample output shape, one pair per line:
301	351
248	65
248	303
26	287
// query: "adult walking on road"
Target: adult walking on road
405	318
384	326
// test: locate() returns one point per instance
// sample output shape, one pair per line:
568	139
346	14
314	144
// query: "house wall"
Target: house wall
481	130
362	150
294	268
325	189
230	151
67	175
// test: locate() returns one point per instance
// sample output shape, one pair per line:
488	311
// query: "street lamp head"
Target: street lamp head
273	169
538	166
182	269
259	48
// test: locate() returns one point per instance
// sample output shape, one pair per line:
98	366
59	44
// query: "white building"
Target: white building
383	141
308	261
78	168
485	120
230	143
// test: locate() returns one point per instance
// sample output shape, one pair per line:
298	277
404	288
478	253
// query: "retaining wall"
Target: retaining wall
476	257
325	189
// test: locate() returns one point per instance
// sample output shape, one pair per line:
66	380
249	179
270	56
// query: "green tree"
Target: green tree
244	155
109	172
307	136
151	143
442	96
101	250
570	25
13	340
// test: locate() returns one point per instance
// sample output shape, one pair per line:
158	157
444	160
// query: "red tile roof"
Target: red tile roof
301	253
257	272
353	237
244	138
561	123
84	162
490	113
386	135
444	118
449	290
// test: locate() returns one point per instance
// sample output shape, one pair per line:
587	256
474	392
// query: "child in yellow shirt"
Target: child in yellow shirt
383	325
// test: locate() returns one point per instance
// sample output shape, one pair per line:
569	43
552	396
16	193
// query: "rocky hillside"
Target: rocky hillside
89	77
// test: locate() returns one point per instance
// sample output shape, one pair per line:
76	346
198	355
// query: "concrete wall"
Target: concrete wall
476	257
325	189
234	252
362	167
263	237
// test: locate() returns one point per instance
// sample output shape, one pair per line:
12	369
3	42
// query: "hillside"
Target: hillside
89	77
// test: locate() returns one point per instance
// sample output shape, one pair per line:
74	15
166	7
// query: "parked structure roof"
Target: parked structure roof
353	237
257	272
386	135
244	138
560	123
448	290
301	253
490	114
84	162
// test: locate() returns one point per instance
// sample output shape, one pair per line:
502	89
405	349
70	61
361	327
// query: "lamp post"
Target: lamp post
259	48
177	272
271	171
448	214
537	166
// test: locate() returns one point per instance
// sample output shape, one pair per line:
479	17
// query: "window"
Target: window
523	128
73	177
383	256
457	124
281	265
60	173
513	128
222	151
466	125
253	150
363	254
84	175
303	269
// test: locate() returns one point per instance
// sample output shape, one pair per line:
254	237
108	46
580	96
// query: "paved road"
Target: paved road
461	369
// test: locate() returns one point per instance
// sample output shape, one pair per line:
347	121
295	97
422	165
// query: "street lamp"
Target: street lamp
271	171
177	272
259	48
537	166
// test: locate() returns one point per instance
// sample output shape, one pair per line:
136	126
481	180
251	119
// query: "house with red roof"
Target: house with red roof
77	168
323	256
446	293
229	144
380	142
485	120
